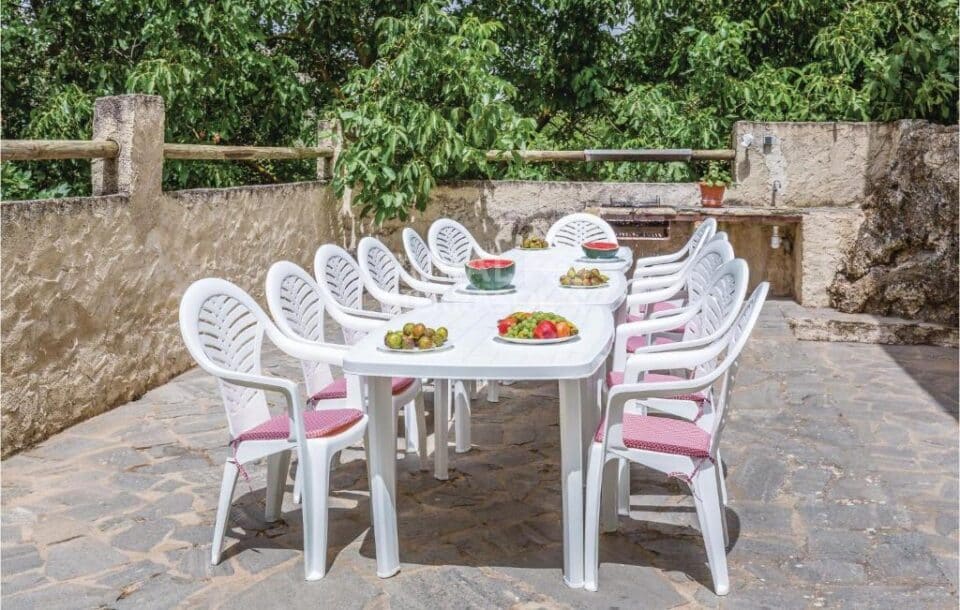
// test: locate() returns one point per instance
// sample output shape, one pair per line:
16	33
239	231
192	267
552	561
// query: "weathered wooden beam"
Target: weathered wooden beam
239	153
537	156
38	150
723	154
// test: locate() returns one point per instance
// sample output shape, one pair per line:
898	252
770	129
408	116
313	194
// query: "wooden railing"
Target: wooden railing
37	150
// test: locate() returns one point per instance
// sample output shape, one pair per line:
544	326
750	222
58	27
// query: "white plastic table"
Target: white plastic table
561	258
476	353
544	287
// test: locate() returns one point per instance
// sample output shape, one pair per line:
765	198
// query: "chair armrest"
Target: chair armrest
645	284
643	327
366	313
648	261
654	296
422	286
344	317
313	351
455	272
655	270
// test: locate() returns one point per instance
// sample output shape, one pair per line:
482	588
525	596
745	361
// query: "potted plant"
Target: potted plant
712	185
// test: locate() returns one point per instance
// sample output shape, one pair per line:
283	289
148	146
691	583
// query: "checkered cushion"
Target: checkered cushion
662	434
338	389
641	341
616	378
327	422
662	306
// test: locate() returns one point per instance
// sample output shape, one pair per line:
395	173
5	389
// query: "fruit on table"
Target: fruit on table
490	273
415	335
583	277
534	243
535	325
600	249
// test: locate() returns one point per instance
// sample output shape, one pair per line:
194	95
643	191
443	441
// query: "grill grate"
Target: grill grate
640	230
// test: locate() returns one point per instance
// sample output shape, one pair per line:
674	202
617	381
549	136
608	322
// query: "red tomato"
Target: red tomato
504	325
545	330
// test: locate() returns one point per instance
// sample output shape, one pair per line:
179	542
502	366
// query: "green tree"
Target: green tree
429	108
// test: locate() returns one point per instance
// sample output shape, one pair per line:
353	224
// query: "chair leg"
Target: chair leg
298	483
316	490
722	479
623	488
707	499
723	505
461	416
410	433
421	416
278	465
227	485
609	509
493	390
591	538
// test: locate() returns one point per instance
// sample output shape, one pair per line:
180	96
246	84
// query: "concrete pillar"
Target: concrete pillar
136	123
328	134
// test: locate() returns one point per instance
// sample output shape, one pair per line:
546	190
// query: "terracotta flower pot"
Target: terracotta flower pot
711	196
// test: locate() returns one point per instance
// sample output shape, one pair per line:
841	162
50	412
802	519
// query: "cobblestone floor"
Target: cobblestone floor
841	465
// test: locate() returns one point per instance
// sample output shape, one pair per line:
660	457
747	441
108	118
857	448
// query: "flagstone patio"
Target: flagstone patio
841	464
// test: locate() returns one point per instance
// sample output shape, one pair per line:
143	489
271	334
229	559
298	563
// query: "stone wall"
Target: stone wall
91	286
903	261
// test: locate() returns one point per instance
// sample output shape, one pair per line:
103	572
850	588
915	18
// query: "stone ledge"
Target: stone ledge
823	324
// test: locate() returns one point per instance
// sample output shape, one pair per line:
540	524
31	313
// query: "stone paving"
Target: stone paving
841	464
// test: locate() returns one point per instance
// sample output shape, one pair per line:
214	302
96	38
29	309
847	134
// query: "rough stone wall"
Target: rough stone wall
904	258
91	288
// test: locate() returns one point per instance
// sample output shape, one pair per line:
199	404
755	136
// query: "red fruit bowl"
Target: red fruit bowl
600	249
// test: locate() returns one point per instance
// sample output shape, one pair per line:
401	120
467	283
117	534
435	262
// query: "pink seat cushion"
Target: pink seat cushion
327	422
662	434
616	378
662	306
338	389
641	341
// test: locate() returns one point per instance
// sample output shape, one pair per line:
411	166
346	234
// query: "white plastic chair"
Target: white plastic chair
670	263
382	275
223	330
677	448
420	260
684	285
579	228
296	303
451	245
703	323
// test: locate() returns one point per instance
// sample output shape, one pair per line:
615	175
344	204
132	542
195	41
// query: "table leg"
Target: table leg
382	473
576	397
441	423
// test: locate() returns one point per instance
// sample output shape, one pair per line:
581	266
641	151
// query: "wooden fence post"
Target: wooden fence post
328	135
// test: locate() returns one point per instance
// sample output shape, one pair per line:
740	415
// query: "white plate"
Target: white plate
537	341
533	249
604	285
469	289
586	259
442	348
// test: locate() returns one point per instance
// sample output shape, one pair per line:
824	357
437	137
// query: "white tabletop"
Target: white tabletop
478	354
561	258
537	286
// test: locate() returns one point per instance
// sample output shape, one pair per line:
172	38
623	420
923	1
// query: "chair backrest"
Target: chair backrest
702	234
726	291
379	266
417	253
451	243
735	340
709	259
223	328
576	229
296	305
338	277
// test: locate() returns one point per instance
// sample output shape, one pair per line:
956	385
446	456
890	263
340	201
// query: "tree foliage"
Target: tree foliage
423	87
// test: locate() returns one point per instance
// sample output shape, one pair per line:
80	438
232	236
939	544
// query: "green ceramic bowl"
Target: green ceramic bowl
490	273
600	249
